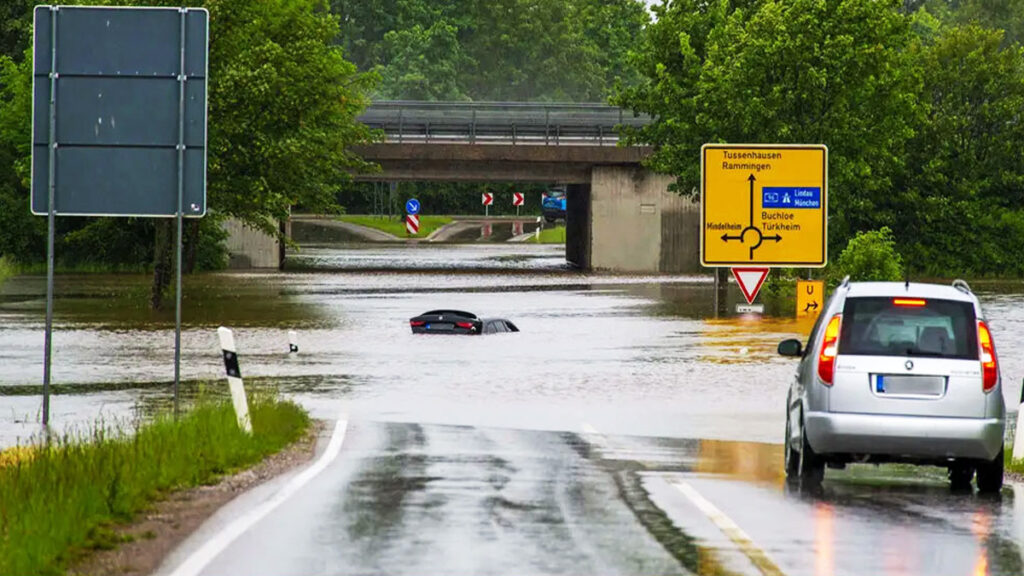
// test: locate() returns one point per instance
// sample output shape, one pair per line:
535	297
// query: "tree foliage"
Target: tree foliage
920	113
282	103
521	50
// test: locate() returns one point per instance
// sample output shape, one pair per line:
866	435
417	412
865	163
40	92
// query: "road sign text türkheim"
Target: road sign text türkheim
764	205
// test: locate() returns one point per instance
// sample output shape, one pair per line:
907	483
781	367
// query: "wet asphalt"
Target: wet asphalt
405	498
625	430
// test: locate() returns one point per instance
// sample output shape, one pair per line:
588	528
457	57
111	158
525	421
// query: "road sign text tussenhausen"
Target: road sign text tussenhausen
764	205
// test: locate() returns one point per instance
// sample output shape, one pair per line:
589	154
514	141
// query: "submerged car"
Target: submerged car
897	372
458	322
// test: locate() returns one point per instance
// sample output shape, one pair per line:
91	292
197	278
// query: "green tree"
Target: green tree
614	28
962	196
282	103
837	72
422	64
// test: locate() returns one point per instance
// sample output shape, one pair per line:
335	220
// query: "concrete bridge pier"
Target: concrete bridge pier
627	220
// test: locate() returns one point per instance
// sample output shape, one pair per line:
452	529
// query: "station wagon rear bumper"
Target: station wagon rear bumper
912	437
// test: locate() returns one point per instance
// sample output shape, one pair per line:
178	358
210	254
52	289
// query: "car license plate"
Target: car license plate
897	385
440	326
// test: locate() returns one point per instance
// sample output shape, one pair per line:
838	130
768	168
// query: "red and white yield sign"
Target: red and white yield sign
488	198
412	224
750	281
518	199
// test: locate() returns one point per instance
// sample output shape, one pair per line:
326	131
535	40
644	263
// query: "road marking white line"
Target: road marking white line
199	559
729	528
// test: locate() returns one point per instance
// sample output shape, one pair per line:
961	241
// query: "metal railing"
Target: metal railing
499	122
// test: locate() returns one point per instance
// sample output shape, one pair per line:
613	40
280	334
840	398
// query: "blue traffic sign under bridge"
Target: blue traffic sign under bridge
412	206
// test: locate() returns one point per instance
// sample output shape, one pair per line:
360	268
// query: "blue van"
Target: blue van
552	204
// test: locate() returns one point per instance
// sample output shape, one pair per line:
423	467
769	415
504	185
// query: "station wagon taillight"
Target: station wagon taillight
466	325
989	366
829	349
417	323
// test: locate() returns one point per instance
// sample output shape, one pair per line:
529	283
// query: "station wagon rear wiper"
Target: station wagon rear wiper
913	352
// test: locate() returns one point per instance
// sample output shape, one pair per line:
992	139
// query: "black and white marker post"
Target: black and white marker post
234	375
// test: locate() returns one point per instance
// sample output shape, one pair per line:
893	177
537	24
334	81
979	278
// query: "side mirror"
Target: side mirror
791	347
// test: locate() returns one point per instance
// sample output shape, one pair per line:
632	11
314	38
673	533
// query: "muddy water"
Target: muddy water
627	355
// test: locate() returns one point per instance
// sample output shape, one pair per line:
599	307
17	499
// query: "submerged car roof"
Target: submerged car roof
461	313
912	289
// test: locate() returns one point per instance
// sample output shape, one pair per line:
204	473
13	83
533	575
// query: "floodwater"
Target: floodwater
627	354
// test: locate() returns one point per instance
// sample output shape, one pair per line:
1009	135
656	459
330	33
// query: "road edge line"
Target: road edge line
218	542
730	528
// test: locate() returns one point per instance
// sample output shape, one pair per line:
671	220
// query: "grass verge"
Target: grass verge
1011	465
554	235
59	502
396	227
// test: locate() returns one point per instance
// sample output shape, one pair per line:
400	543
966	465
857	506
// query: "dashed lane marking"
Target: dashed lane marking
729	528
199	559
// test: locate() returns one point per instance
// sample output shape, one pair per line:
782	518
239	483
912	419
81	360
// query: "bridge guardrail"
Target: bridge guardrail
515	122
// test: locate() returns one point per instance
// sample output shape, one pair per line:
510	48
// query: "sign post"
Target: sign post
412	218
763	205
125	132
517	200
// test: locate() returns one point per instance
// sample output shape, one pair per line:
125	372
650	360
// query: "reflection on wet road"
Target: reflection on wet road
623	431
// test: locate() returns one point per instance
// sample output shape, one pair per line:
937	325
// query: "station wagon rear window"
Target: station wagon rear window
895	326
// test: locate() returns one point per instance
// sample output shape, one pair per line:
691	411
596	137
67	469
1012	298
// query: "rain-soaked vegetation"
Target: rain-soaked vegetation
59	499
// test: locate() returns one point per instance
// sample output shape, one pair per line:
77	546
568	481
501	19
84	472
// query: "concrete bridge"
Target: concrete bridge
621	216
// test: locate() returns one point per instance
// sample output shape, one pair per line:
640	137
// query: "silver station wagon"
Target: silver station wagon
897	372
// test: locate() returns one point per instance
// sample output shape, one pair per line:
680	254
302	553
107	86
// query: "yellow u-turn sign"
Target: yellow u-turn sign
810	297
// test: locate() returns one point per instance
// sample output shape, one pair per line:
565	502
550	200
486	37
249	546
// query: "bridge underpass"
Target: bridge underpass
620	215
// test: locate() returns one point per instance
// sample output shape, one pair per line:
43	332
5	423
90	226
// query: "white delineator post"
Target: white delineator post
293	342
1018	433
234	374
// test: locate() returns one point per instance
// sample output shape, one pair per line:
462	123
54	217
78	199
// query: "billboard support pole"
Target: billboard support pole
50	217
179	216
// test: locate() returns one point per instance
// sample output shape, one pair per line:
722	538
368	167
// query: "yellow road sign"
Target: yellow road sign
810	297
764	204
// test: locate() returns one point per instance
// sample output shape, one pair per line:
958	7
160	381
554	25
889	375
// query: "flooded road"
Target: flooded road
558	449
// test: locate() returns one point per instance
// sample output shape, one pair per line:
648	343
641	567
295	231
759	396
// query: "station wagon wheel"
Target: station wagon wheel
792	456
990	475
811	467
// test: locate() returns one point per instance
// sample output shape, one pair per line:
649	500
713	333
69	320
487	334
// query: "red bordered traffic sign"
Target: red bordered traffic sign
750	281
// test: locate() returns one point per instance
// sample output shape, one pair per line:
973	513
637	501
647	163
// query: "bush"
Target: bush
6	269
869	256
